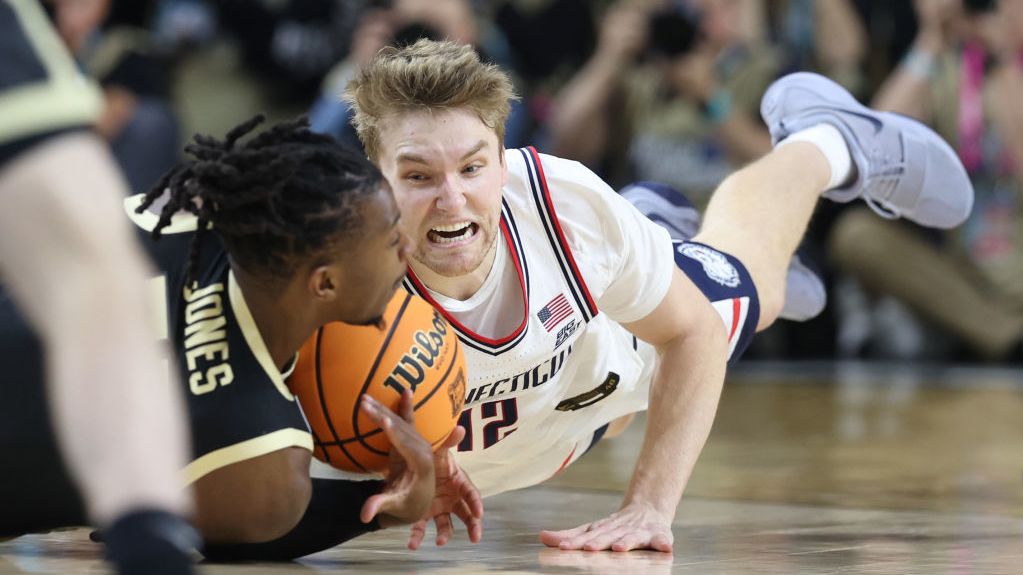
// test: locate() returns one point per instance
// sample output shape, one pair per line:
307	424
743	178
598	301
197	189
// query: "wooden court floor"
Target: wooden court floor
831	468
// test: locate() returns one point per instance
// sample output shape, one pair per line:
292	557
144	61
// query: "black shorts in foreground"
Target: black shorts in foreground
36	492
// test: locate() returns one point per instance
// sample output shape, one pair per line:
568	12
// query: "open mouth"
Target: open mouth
452	233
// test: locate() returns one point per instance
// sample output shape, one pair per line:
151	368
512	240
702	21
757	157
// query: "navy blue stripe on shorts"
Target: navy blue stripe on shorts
724	280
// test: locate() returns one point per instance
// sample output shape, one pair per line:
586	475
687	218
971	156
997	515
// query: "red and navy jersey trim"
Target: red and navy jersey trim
556	236
517	251
467	336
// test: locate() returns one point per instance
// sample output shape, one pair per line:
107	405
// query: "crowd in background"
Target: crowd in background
663	90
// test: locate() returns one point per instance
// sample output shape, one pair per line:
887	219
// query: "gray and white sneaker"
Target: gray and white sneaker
805	296
904	169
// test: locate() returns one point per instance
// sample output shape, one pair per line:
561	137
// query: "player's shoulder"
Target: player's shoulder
170	253
531	170
524	161
146	219
587	208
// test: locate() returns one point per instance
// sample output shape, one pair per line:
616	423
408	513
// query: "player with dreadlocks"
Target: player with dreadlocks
258	244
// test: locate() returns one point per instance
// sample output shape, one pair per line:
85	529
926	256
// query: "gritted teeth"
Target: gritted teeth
451	227
452	233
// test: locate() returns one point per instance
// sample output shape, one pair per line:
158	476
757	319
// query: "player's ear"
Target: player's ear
324	282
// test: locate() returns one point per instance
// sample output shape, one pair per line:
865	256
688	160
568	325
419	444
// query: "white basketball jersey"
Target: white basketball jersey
582	256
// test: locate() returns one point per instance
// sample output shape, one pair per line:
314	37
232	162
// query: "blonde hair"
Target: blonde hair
427	75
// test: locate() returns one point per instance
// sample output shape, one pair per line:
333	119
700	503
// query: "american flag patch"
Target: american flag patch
554	312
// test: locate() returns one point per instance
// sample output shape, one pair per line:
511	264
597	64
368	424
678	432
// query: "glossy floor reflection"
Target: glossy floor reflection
810	469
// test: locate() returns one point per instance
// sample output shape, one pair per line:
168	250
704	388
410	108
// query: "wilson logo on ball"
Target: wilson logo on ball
410	372
417	350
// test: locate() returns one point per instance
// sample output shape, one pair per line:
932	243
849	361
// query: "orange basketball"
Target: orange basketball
416	350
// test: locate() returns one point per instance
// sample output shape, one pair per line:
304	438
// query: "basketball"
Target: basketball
417	349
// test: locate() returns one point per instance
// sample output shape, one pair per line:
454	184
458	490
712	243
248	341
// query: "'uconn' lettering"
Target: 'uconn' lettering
530	378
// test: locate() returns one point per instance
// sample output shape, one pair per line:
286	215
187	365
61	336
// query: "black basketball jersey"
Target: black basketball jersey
238	403
42	91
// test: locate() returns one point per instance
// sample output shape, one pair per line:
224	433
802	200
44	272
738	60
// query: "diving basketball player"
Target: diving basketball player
577	309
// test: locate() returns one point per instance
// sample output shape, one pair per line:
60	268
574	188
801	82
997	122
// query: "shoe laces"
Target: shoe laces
882	208
882	183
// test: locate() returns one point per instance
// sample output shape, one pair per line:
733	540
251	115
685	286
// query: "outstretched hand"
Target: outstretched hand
634	526
455	494
409	487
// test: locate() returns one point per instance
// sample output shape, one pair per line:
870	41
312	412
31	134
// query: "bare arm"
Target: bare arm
693	348
118	107
579	128
906	90
840	38
267	508
1004	82
254	500
1007	93
745	139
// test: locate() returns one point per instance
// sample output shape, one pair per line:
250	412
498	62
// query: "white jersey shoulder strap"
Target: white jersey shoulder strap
555	235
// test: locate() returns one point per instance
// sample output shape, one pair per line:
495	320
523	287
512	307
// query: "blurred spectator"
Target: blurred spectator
548	41
180	24
670	94
964	76
548	37
825	36
290	44
401	22
891	27
137	119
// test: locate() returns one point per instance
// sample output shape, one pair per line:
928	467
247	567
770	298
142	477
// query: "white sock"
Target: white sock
830	142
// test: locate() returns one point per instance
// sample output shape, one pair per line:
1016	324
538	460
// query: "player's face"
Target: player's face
447	171
374	263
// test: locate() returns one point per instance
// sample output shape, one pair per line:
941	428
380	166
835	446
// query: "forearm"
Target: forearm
579	128
745	140
118	108
907	89
840	37
1008	87
331	518
683	400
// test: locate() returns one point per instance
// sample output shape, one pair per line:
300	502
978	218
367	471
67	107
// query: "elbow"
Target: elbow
710	333
255	501
705	331
277	510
